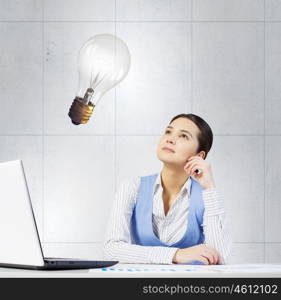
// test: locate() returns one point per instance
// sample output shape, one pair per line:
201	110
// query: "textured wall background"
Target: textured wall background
218	59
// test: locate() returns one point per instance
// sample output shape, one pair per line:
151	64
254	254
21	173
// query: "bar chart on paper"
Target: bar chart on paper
148	269
176	269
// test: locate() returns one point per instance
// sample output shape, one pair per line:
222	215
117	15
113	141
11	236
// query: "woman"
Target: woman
177	215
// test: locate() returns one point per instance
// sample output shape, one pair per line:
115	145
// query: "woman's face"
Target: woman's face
181	138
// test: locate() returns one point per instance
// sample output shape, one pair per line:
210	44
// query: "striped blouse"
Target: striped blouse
170	228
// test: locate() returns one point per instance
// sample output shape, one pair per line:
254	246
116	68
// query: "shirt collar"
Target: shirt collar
185	187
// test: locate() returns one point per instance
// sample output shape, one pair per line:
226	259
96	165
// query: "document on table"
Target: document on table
143	268
234	268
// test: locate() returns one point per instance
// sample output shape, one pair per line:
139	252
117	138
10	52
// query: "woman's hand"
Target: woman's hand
205	178
206	255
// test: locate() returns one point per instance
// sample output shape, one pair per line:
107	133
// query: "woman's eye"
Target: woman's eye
167	131
185	136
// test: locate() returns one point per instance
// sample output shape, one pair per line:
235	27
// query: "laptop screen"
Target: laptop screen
19	238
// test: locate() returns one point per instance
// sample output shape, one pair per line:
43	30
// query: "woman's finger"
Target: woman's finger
193	159
207	258
210	257
190	166
214	256
204	260
194	167
212	250
214	253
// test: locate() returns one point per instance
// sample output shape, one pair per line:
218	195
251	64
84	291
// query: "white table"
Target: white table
156	271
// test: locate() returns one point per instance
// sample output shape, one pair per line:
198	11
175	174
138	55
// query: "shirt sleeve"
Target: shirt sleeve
216	226
118	244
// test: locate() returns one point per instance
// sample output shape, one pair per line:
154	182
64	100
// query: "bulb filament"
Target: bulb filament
88	96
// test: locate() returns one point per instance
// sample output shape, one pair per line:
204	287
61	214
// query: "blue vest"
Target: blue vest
142	227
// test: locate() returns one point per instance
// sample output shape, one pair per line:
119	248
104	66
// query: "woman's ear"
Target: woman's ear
202	154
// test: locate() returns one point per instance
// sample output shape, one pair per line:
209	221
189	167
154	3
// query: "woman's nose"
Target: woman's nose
171	139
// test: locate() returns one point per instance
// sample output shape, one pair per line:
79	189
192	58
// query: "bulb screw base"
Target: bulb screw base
79	112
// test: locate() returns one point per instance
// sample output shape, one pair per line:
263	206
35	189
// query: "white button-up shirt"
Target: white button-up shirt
119	244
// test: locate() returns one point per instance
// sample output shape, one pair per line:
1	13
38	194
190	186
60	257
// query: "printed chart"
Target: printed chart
235	268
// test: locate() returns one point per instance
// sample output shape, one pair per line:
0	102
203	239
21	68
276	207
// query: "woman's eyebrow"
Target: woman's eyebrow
183	130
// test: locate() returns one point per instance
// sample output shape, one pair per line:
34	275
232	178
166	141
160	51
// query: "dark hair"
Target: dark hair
205	137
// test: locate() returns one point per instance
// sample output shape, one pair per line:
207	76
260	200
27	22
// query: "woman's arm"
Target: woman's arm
215	225
118	243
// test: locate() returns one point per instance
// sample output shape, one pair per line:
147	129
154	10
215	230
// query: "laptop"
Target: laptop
20	245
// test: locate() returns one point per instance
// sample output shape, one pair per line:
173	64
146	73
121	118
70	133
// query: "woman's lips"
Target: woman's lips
168	149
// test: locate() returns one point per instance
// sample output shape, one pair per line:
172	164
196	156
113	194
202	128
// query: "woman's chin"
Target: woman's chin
171	162
168	159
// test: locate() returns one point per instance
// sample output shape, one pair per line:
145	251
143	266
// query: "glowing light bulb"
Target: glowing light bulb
103	61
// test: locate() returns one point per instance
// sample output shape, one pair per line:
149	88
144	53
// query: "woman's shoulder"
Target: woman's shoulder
130	182
133	182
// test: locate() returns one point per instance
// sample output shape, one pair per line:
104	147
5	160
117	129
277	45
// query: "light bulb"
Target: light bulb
103	61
